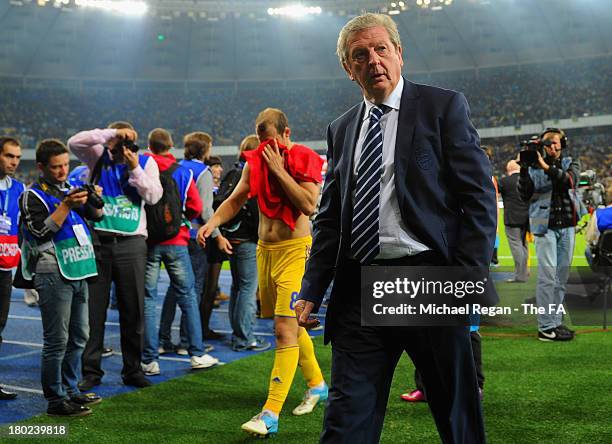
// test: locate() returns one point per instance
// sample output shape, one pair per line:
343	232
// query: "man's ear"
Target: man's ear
40	167
348	71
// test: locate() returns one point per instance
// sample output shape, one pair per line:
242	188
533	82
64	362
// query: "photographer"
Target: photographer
62	258
129	181
548	180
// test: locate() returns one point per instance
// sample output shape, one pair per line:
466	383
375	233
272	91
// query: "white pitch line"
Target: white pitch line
33	318
19	355
28	344
22	389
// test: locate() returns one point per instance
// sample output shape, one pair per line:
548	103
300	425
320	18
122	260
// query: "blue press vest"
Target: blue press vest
9	208
197	168
75	261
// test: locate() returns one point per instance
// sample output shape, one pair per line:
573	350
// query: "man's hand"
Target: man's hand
131	158
273	158
302	313
542	163
204	232
224	245
75	199
127	134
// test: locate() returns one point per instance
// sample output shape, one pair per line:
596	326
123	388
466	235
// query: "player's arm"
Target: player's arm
303	195
229	208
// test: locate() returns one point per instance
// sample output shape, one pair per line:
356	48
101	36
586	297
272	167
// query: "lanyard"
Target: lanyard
6	201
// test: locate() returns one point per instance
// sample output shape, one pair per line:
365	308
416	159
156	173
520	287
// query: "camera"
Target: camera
591	192
92	197
528	156
126	143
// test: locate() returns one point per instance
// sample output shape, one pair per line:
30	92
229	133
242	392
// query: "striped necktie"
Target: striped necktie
365	244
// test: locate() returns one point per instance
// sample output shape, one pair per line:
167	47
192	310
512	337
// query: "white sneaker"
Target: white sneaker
312	397
203	361
182	351
150	369
262	425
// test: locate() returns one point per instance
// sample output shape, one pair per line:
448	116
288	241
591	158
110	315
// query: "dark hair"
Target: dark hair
160	140
4	140
197	145
49	148
214	160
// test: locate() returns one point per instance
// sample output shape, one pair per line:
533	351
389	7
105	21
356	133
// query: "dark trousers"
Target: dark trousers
123	262
6	282
364	360
475	341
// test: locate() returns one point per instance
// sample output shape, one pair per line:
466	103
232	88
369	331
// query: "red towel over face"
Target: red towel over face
302	163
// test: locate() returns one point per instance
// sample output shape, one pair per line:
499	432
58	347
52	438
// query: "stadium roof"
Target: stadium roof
191	40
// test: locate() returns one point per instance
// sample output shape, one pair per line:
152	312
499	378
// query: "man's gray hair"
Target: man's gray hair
361	22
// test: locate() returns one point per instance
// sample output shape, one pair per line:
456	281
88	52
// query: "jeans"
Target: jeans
6	282
243	304
65	319
199	264
554	250
178	265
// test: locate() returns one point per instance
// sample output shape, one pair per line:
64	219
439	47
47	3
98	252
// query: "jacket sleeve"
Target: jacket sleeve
36	218
193	203
326	237
146	181
471	184
525	185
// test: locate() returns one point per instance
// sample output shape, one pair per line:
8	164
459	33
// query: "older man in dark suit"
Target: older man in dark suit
407	184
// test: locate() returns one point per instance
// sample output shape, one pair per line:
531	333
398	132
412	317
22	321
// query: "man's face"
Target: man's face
9	159
56	171
216	171
374	63
266	130
554	150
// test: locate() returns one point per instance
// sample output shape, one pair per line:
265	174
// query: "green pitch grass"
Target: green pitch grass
557	393
545	393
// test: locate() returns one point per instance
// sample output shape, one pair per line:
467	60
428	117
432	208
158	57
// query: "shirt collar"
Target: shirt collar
393	100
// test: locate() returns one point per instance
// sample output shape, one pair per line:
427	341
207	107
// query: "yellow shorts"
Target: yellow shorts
280	268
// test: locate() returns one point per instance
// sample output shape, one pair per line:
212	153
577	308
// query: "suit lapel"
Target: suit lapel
352	134
405	130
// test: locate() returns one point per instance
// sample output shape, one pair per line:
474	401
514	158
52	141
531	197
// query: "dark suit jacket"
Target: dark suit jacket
442	180
516	210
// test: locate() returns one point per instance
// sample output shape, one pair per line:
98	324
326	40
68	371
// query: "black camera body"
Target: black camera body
528	156
126	143
92	197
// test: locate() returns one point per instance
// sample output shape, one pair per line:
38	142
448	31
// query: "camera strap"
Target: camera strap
95	173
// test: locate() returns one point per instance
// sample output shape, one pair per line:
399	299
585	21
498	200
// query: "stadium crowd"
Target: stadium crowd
501	96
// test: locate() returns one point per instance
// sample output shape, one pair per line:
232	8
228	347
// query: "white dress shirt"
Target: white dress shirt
396	240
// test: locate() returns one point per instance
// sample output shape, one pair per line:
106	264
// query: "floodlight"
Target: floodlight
295	11
128	7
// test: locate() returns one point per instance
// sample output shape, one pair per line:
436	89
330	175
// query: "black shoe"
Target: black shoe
67	408
530	300
137	381
210	334
566	329
6	395
86	399
87	383
106	352
554	334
